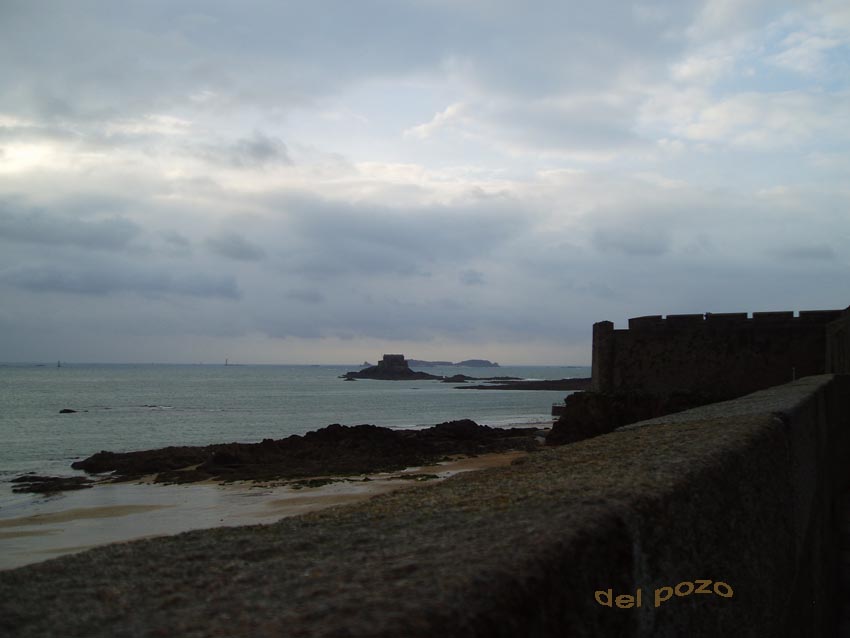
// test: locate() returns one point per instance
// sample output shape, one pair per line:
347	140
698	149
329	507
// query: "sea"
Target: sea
125	407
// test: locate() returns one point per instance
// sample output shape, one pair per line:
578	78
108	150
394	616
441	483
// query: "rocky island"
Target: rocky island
393	367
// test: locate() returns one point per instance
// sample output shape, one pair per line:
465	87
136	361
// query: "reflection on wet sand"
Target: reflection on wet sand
77	514
120	512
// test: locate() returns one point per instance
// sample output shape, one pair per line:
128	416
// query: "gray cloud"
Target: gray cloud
258	150
174	238
112	280
577	125
250	152
587	161
639	243
307	296
472	277
388	317
39	227
234	246
287	54
32	132
335	238
808	252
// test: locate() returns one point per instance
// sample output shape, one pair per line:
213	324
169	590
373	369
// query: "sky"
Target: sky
323	182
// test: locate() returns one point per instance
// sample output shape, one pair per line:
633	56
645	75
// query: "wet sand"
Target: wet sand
76	521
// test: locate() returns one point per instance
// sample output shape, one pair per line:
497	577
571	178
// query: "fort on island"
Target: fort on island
391	367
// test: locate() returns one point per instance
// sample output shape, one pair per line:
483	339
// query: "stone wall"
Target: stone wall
838	345
719	355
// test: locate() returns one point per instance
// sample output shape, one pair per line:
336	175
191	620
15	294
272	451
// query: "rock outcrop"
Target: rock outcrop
332	450
37	484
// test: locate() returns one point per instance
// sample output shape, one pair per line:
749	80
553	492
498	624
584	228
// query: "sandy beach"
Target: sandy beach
75	521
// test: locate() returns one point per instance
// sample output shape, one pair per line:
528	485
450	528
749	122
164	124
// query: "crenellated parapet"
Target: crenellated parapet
729	319
722	355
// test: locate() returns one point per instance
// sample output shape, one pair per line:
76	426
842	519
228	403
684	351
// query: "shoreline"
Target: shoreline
119	512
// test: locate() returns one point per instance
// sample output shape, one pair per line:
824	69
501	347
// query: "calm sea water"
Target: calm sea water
134	407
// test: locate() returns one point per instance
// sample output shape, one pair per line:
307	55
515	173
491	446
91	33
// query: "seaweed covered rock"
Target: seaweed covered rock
37	484
332	450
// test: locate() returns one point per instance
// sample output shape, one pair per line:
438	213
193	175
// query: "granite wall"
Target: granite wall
838	344
719	355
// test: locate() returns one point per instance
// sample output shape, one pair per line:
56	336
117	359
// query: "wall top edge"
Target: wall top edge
727	318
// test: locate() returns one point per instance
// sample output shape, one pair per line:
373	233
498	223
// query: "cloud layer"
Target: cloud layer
323	182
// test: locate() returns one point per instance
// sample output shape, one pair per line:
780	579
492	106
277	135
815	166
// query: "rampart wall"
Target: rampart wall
721	355
838	345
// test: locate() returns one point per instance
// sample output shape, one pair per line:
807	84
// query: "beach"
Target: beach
72	522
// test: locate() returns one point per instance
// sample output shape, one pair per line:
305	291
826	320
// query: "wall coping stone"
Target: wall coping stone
784	317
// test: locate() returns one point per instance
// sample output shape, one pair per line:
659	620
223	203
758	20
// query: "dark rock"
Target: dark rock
29	478
464	429
225	459
419	363
49	484
141	463
458	378
414	477
333	450
172	477
311	483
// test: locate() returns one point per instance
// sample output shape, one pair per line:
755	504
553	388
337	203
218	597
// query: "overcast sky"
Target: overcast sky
317	182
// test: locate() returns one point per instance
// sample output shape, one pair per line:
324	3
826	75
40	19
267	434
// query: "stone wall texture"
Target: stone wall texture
838	345
720	355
